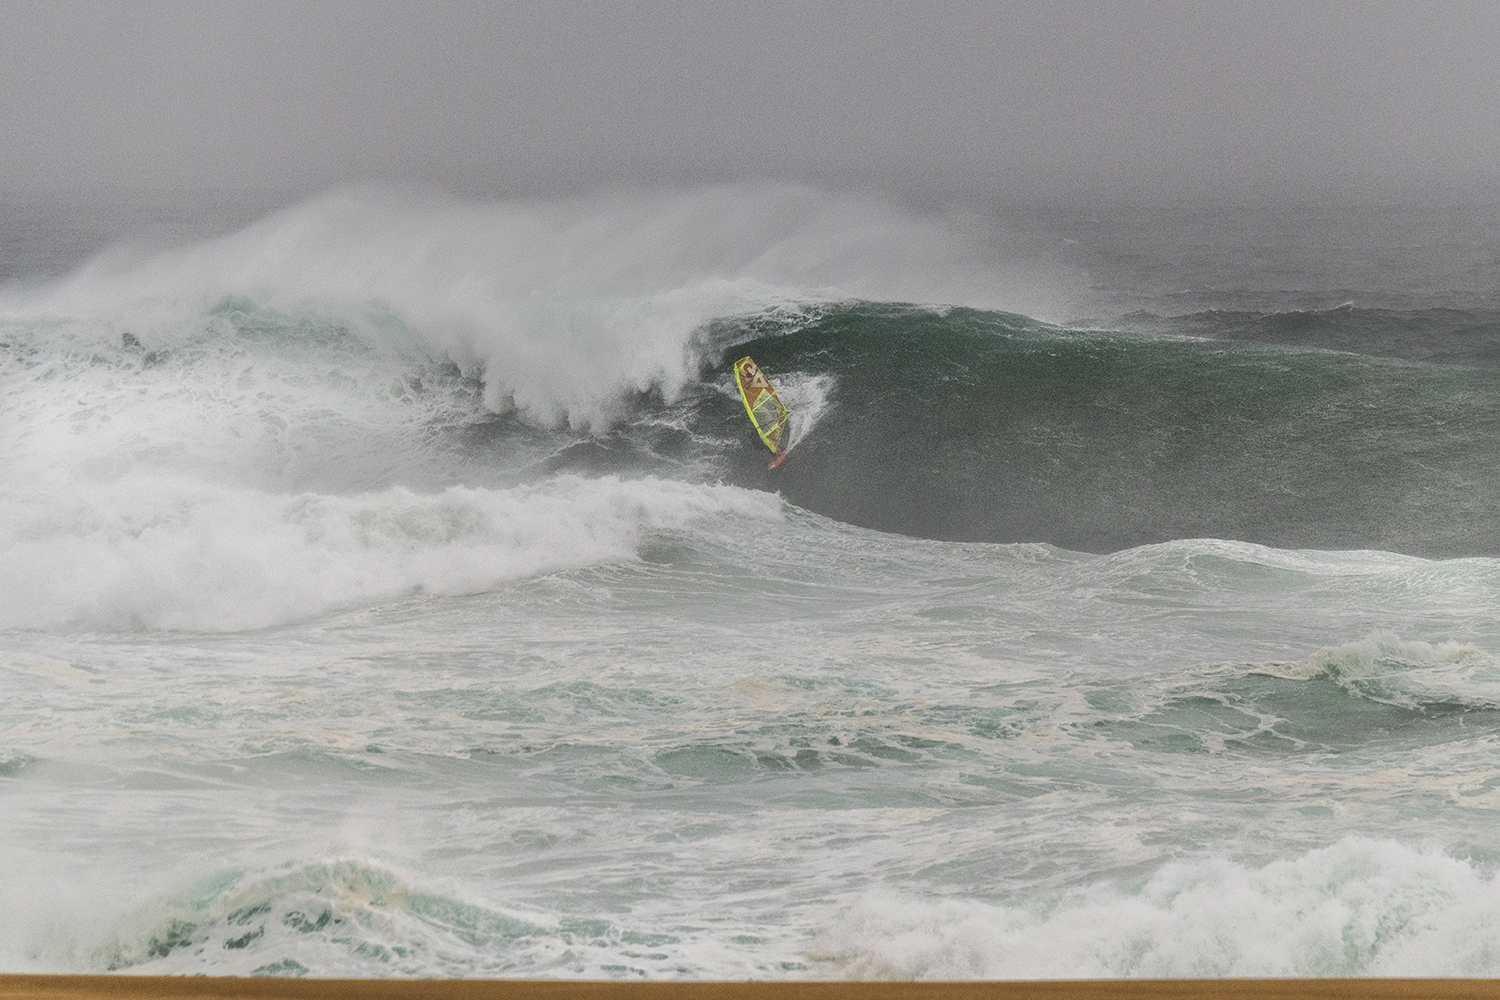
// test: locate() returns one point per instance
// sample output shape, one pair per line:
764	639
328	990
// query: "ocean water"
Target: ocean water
391	585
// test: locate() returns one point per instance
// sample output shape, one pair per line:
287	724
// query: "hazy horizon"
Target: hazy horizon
971	98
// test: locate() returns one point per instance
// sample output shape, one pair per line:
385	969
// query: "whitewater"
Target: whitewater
392	586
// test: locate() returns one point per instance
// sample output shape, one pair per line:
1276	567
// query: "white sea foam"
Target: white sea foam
1361	907
162	552
224	409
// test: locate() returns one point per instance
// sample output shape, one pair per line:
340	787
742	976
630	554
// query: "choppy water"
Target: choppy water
394	587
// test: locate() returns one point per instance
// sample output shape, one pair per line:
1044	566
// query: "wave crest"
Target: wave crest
560	306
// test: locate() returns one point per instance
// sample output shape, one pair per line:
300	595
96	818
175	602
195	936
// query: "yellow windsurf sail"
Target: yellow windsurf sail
767	412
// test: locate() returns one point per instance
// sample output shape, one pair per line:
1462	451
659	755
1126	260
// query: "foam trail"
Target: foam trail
807	397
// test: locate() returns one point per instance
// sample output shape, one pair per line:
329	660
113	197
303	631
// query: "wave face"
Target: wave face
299	454
395	587
969	425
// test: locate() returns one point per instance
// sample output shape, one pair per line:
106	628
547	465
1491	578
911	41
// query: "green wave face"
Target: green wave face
968	425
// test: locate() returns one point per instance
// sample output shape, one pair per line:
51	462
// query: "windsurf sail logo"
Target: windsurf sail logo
767	412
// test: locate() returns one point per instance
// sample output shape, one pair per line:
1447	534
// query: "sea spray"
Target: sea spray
559	305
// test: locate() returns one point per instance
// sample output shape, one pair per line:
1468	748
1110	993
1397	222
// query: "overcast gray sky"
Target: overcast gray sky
563	95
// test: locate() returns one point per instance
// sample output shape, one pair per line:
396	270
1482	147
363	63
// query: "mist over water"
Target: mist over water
393	586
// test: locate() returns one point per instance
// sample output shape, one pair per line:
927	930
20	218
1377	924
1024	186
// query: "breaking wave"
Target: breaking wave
1361	907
